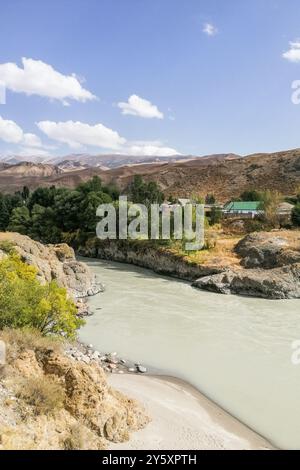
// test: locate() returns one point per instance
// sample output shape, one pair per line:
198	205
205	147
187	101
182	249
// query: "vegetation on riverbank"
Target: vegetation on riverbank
25	302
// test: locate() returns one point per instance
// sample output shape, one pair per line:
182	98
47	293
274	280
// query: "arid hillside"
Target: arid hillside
226	176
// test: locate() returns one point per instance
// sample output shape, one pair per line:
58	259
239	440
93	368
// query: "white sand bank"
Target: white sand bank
182	418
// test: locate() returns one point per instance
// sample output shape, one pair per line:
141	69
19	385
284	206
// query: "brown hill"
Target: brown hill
226	176
28	169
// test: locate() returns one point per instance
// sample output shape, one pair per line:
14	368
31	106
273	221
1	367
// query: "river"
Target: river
235	350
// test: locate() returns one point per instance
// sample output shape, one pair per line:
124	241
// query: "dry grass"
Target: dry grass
21	340
76	440
43	394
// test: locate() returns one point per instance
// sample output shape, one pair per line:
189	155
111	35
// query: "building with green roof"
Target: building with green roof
250	208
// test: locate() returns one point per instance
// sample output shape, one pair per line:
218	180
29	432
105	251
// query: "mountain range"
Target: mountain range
225	175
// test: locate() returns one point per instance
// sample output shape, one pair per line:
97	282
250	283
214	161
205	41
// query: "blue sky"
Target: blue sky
204	76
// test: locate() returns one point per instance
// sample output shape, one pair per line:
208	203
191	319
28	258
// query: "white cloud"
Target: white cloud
137	106
31	140
10	131
209	29
32	151
78	134
149	149
38	78
293	54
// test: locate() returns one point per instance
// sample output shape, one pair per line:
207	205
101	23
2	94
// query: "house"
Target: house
285	208
242	208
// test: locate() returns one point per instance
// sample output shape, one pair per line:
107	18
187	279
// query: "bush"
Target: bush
296	215
7	246
18	341
42	393
24	302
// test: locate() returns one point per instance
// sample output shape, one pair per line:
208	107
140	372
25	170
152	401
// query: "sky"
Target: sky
149	77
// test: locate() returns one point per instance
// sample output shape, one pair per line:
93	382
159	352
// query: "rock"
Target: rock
131	369
277	283
267	250
160	261
142	369
86	359
89	402
55	262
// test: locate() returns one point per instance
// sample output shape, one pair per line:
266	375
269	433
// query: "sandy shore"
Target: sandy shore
182	418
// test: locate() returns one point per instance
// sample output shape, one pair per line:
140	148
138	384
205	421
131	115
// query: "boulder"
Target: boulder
267	250
277	283
55	262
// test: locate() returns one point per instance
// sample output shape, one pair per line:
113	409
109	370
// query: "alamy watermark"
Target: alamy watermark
2	93
2	353
165	222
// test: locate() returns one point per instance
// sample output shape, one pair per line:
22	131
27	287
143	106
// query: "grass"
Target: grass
43	394
21	340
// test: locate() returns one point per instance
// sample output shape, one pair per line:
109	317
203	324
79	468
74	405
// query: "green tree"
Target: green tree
20	220
4	213
215	215
67	210
296	215
88	208
24	302
43	197
251	195
145	193
25	193
210	199
43	225
93	185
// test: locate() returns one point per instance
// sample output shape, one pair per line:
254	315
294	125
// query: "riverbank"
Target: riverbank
262	265
182	418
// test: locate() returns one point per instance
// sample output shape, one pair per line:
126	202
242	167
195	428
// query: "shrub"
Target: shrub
24	302
296	215
18	341
7	246
42	393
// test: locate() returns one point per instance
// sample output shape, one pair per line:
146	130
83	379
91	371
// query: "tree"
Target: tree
145	193
43	225
88	208
67	210
270	201
4	213
296	215
251	195
24	302
93	185
210	199
25	193
215	215
43	197
20	220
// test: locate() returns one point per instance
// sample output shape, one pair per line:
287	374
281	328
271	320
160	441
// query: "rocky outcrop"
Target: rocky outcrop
270	264
269	250
278	283
90	415
54	262
161	261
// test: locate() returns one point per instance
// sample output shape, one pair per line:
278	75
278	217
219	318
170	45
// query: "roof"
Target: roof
243	206
286	206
